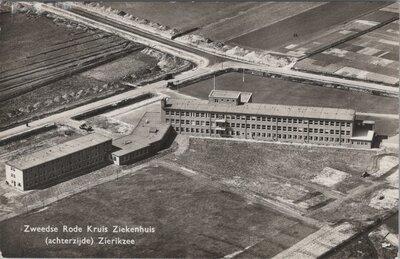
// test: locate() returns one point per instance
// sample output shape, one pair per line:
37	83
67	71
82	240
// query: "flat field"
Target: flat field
306	24
278	91
234	162
183	16
35	41
253	168
373	56
192	218
37	50
253	19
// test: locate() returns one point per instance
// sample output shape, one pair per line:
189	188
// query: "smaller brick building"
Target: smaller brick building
147	139
55	163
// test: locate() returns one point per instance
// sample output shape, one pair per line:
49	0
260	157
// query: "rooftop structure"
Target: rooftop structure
229	97
262	109
224	94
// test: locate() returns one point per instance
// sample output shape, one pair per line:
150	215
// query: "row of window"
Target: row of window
69	160
267	135
40	176
360	143
259	127
257	118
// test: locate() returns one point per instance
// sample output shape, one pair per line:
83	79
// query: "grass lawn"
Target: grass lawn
278	91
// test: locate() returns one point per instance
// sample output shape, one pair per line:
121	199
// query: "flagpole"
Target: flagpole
214	81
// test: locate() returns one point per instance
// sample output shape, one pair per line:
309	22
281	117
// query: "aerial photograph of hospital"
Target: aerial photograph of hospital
167	130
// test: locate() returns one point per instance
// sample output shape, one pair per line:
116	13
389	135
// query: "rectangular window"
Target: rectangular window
166	112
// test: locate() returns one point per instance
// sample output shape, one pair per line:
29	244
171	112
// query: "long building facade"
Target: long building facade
58	162
232	114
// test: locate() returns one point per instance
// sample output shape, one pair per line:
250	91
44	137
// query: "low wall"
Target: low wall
112	106
27	133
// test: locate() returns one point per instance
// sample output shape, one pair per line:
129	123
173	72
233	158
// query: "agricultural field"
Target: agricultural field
305	25
286	92
80	52
191	218
372	56
183	16
37	50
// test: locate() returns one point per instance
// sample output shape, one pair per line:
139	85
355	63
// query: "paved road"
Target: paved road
211	57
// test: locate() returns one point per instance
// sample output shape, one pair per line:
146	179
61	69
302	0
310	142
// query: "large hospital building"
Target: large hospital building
232	114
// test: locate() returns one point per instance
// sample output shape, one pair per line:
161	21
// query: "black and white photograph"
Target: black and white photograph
199	129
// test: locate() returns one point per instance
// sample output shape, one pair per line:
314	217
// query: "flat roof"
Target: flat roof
58	151
224	94
363	134
148	131
263	109
245	97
